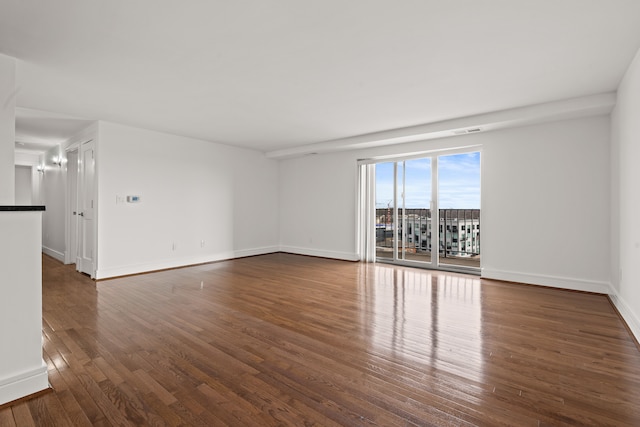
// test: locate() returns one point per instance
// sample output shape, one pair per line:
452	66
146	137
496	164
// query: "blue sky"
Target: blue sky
459	182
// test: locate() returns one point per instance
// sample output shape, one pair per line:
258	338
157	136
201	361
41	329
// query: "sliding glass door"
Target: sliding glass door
459	209
428	211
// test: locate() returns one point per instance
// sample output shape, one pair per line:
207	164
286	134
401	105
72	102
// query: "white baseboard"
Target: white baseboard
627	314
53	253
552	281
256	251
24	384
125	270
346	256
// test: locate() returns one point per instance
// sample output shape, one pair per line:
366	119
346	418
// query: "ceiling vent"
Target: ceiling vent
466	131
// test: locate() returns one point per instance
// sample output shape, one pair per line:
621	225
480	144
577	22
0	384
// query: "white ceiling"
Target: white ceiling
38	131
276	74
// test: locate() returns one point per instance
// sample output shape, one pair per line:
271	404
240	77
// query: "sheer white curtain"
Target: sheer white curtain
367	212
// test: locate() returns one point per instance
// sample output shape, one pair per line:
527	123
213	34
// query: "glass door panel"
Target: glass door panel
403	214
385	209
416	210
459	210
399	239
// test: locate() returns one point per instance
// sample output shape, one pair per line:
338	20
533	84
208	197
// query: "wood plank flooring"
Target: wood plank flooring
286	340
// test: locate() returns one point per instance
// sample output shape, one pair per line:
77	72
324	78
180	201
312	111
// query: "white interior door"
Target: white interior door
86	209
72	208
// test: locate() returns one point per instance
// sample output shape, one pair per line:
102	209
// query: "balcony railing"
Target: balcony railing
459	231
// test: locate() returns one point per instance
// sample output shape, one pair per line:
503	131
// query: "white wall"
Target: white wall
318	205
545	195
190	190
25	158
23	185
625	198
37	198
7	129
52	191
22	371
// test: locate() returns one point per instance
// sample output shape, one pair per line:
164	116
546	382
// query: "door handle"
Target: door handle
81	214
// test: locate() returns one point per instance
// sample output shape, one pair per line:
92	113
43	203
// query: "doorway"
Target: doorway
86	209
71	254
82	207
427	211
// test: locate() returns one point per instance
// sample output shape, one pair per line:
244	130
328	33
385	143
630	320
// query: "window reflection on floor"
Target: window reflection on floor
424	318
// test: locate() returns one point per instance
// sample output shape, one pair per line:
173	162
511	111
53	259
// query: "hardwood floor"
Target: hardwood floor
290	340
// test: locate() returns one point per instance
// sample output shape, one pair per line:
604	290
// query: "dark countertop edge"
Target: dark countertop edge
21	208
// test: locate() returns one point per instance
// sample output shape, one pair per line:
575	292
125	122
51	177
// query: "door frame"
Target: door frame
435	211
71	234
94	197
89	136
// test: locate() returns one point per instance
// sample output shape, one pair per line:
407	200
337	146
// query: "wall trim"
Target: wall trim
627	314
585	106
255	251
346	256
24	384
551	281
53	253
127	270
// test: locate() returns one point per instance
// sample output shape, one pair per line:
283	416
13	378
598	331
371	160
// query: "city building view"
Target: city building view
459	231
